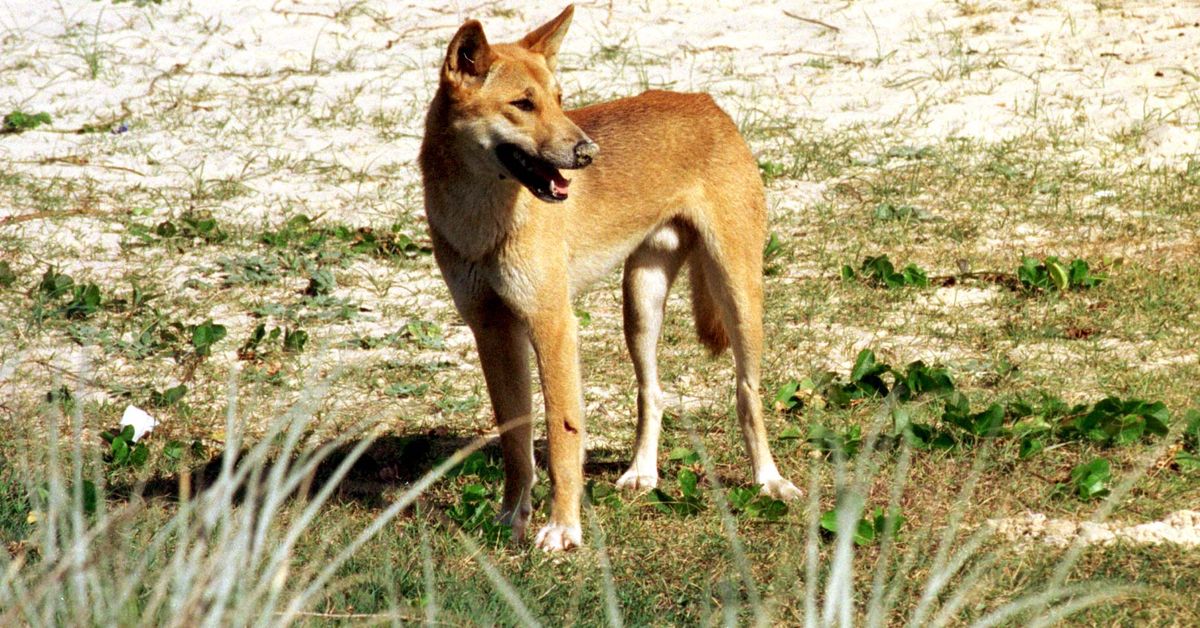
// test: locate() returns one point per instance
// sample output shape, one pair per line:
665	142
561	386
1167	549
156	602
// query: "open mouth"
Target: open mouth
535	173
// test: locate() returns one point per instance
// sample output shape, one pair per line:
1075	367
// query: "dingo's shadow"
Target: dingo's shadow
389	464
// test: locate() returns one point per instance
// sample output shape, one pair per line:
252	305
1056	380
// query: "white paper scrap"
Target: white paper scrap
142	423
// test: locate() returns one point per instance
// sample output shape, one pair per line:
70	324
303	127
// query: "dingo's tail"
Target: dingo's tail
709	326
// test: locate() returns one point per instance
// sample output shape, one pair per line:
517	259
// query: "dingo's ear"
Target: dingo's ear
548	37
469	55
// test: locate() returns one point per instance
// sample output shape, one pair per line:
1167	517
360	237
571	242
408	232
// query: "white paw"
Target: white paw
780	488
556	537
631	480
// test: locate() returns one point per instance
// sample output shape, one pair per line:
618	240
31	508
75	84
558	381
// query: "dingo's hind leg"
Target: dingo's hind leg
732	274
649	273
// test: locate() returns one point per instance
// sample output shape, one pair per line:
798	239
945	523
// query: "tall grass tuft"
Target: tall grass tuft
226	555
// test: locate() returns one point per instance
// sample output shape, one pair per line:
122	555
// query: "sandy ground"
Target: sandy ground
1033	529
924	69
317	107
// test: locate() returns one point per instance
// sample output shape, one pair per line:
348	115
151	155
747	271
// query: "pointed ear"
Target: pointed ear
469	55
548	37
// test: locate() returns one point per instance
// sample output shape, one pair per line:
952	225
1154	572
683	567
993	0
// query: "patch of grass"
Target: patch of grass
15	507
18	121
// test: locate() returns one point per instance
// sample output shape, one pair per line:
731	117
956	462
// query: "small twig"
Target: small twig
77	161
1041	477
812	21
1007	280
13	220
379	616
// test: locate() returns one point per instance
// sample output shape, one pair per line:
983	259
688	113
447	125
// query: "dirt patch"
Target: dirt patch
1033	529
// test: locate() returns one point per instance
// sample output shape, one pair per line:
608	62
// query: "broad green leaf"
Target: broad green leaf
785	397
687	483
740	497
138	455
863	365
173	450
1058	274
767	508
119	450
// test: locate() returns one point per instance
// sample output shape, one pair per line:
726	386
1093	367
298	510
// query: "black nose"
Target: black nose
585	151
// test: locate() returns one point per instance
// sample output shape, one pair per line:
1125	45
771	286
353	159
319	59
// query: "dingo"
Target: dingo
658	181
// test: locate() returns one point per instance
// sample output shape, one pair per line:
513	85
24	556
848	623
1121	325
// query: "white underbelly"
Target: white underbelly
587	270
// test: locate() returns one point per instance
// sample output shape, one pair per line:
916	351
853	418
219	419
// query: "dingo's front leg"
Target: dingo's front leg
504	354
554	341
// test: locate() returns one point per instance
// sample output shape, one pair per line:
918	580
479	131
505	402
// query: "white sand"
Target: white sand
1032	529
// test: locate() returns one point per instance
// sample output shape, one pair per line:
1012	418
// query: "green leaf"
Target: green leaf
172	395
18	121
828	441
89	496
1191	433
888	524
474	493
684	456
988	422
661	501
205	335
864	365
773	247
1030	446
1031	274
406	390
1129	430
138	455
864	528
687	483
785	397
767	508
740	497
1091	479
173	450
294	340
119	451
320	283
1058	274
791	432
54	284
915	276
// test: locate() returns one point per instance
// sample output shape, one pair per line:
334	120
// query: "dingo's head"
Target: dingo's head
505	107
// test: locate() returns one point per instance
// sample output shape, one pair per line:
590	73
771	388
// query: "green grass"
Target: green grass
667	564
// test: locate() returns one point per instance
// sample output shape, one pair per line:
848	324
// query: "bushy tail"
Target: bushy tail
709	326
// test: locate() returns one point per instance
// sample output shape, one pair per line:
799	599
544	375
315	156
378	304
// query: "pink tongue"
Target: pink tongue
558	186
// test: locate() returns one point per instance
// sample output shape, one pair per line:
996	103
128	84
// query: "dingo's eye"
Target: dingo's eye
523	104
